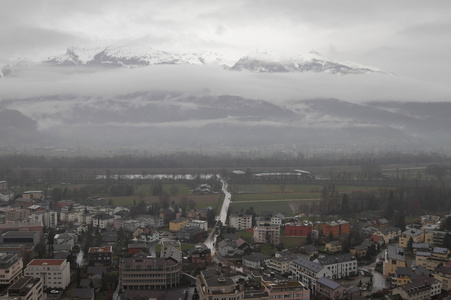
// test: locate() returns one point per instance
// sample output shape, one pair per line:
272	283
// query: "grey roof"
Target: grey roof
420	246
219	281
389	229
423	253
335	259
440	250
404	271
309	265
395	252
310	248
413	232
328	282
256	257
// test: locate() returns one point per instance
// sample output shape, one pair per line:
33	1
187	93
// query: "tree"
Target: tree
410	245
309	239
157	189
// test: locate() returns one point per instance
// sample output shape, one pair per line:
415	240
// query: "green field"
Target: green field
259	207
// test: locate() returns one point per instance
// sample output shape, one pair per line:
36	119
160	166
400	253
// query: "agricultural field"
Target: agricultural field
281	198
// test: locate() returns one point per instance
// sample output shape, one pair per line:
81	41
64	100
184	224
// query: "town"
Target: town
234	235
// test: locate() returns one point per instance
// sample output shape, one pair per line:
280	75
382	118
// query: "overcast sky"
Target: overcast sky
410	38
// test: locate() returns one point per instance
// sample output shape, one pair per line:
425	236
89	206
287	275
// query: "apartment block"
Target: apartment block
10	268
240	221
267	234
54	273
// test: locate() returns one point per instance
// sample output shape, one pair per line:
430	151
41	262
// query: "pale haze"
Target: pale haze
407	40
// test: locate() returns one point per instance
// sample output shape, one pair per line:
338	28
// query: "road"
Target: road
210	242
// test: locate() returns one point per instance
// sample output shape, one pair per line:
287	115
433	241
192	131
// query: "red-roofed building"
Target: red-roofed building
378	239
54	273
100	255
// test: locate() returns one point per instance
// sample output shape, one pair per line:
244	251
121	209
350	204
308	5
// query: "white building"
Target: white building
48	218
308	272
198	223
54	273
240	221
342	265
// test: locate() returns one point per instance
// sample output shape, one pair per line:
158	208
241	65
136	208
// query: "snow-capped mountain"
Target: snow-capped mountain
261	61
133	55
130	56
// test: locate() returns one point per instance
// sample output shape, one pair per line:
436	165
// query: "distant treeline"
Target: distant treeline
193	161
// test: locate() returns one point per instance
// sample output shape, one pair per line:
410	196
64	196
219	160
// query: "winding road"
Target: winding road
210	242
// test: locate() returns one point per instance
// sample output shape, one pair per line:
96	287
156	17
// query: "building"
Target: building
421	288
443	274
3	185
192	234
282	261
54	273
394	258
17	214
389	234
337	228
212	285
101	255
255	260
10	268
240	221
267	234
26	288
145	272
333	246
171	249
137	247
298	229
102	221
177	224
434	237
26	226
308	272
341	265
37	195
198	223
20	237
328	289
199	255
294	290
416	235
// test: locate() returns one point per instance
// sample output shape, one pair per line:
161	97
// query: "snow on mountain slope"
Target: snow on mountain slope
137	55
261	61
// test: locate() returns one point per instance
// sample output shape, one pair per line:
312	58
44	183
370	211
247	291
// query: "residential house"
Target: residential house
150	235
177	224
255	260
100	255
191	234
337	228
310	250
102	221
333	247
416	235
420	288
394	258
389	234
359	251
200	255
443	274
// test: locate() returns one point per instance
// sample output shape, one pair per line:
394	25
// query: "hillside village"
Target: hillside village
92	249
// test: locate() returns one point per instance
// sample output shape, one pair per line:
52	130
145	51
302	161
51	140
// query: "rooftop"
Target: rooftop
328	282
47	262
